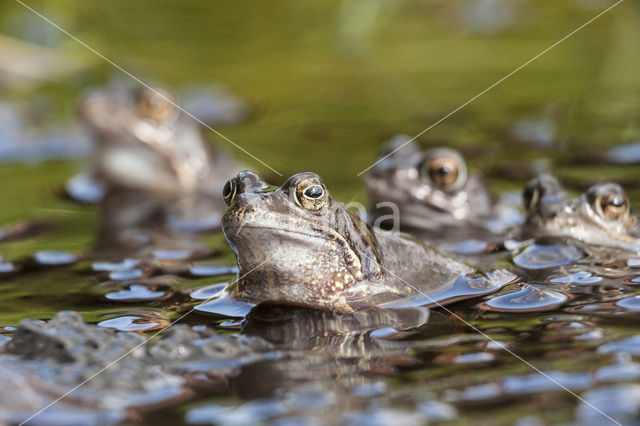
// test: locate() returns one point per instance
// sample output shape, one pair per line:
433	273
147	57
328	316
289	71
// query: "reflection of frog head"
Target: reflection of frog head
601	216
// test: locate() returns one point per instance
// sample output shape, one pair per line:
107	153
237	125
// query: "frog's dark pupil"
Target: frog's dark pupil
226	191
616	201
444	170
314	192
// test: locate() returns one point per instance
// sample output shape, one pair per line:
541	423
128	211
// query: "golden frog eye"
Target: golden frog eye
446	170
613	207
229	192
311	195
156	104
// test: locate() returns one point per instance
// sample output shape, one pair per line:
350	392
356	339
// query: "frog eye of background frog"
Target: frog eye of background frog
531	195
445	171
229	192
311	195
156	104
613	206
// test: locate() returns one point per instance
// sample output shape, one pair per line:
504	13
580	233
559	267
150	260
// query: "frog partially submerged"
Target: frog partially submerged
153	161
296	245
602	216
434	193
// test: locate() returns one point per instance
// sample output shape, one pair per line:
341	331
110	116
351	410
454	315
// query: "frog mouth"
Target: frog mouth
235	230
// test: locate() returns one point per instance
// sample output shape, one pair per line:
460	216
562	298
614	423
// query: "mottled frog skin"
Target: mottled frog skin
434	192
296	245
602	216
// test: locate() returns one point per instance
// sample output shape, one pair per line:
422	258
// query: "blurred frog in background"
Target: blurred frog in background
602	216
433	195
151	165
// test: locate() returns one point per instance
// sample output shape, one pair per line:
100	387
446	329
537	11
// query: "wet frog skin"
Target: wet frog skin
296	245
433	190
602	216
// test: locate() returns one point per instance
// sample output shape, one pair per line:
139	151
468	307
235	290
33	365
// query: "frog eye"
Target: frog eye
445	170
530	197
612	207
156	104
311	195
229	192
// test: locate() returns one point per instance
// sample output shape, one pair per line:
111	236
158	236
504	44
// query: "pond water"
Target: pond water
324	84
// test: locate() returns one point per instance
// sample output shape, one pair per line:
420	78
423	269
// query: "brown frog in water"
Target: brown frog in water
153	161
602	216
296	245
435	195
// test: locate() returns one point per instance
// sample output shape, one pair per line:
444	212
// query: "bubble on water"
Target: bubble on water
624	154
481	392
134	323
436	410
538	256
6	266
128	274
465	247
633	262
203	270
369	389
621	402
581	277
311	396
208	292
530	421
464	287
225	307
232	325
527	299
136	292
630	345
494	345
474	358
125	265
84	188
54	258
383	333
590	335
629	303
172	254
254	412
383	416
549	381
618	372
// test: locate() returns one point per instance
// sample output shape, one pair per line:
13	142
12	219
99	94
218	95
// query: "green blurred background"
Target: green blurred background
328	82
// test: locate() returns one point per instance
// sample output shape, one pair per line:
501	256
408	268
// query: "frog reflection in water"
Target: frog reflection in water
153	161
296	245
435	194
602	216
